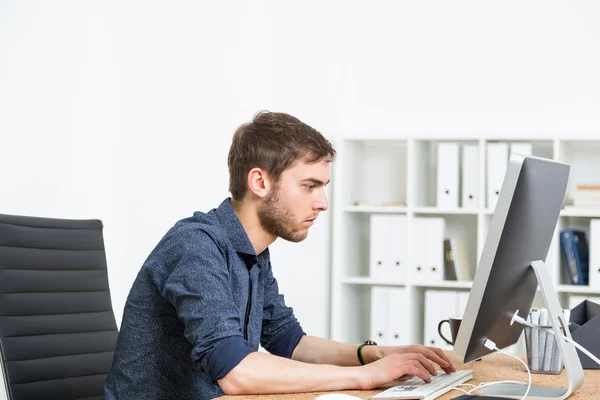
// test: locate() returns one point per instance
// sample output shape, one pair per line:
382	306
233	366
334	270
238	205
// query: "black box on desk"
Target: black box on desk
585	330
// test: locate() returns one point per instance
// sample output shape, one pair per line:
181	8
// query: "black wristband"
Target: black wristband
358	353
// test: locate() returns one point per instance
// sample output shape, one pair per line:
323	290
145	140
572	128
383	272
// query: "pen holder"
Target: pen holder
543	353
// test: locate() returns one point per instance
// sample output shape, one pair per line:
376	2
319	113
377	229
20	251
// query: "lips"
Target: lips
310	221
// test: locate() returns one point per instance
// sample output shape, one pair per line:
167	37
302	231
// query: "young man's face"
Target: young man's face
295	202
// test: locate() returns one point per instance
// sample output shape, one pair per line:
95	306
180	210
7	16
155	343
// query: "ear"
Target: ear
259	182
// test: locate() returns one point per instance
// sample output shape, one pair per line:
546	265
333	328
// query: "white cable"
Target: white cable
492	346
522	321
580	347
480	386
446	390
474	387
466	384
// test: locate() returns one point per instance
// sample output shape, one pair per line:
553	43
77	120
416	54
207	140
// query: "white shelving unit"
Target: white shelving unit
398	176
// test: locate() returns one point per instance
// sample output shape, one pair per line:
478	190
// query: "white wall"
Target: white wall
124	110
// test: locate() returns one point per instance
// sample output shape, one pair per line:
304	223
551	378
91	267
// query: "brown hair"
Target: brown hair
272	142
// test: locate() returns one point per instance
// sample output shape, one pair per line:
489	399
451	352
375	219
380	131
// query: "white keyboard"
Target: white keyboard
416	388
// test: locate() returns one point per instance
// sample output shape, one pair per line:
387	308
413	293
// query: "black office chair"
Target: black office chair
57	328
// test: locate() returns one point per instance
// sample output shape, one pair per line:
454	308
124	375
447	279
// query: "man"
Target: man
206	296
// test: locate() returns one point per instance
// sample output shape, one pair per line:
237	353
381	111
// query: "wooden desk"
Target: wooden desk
495	367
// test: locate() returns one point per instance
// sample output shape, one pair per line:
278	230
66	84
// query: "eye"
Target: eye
309	187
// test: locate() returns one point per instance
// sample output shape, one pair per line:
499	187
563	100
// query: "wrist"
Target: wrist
357	378
369	353
372	354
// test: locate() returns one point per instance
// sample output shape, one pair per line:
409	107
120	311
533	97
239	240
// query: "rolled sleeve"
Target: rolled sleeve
281	331
284	344
199	289
226	355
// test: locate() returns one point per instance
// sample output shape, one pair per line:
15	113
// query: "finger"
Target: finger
439	357
420	358
429	352
441	353
415	371
449	370
426	363
418	364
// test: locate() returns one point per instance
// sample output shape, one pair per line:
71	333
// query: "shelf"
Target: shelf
360	280
570	211
416	210
446	285
577	289
396	176
375	209
364	280
436	210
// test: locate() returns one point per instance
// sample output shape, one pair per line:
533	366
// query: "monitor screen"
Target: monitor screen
520	232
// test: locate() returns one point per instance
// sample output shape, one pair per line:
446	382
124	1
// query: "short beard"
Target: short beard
278	220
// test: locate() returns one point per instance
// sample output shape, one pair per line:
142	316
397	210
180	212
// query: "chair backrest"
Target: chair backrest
57	327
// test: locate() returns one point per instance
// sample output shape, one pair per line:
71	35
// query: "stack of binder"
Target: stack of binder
498	155
449	179
458	180
388	319
387	256
428	250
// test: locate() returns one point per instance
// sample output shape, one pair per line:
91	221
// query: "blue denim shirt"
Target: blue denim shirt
202	301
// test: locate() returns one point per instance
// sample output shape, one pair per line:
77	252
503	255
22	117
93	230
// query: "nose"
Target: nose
321	202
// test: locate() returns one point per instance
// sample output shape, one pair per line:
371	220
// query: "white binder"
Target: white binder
594	249
379	315
379	260
439	305
420	260
395	271
387	250
470	178
397	318
447	175
497	161
433	247
522	148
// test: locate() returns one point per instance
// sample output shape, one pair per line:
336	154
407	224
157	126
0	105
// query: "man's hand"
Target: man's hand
414	360
393	367
433	354
426	356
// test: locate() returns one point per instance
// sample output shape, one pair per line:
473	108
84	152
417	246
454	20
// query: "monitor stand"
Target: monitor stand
568	352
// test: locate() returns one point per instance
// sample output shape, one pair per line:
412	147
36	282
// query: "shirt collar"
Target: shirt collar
236	232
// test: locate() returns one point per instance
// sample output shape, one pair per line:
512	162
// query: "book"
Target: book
456	260
574	246
451	272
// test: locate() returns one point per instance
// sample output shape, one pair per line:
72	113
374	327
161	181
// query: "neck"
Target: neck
247	212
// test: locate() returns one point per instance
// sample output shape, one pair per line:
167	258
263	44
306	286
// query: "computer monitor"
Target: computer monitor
512	265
